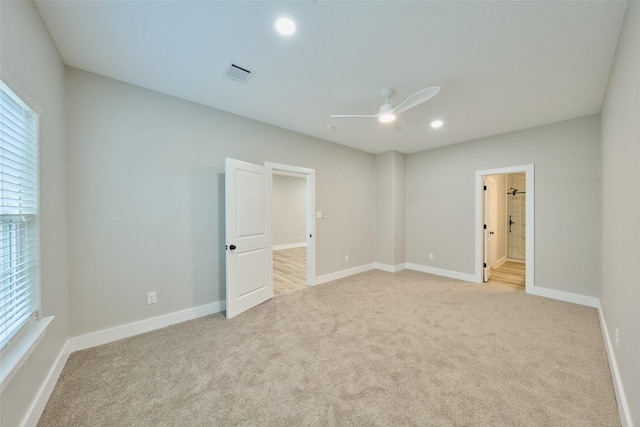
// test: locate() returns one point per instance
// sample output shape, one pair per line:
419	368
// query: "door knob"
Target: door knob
232	247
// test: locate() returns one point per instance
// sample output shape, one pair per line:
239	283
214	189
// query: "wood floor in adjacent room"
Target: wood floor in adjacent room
289	270
510	274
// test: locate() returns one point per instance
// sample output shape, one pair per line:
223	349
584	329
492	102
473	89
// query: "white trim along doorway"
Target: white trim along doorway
310	176
479	229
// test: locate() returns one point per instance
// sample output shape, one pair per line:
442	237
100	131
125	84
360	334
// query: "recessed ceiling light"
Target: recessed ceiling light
285	26
437	124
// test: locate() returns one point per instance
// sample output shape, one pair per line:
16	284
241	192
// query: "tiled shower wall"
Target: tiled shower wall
516	210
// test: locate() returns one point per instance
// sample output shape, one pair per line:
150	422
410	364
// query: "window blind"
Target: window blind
18	214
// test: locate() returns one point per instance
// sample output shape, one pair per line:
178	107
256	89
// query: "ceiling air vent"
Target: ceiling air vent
238	73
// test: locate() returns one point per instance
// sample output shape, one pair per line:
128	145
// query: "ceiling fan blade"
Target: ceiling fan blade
353	115
417	98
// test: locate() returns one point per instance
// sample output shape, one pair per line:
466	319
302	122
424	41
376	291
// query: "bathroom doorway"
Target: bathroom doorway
511	270
504	218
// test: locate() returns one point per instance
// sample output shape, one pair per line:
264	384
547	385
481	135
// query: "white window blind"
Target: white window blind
19	281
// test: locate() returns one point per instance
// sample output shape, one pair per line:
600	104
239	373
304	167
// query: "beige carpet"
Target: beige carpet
375	349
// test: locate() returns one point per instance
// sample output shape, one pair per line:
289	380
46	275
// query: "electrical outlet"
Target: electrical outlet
346	258
617	338
151	298
430	257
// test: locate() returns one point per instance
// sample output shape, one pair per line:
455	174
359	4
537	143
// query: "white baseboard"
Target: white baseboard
563	296
442	272
289	246
37	407
119	332
500	262
390	268
343	273
623	404
521	261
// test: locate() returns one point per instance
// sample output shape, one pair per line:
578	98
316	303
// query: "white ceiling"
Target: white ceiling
502	66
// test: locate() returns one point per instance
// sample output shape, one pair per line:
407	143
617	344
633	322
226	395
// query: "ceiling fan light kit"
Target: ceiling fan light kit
387	118
385	115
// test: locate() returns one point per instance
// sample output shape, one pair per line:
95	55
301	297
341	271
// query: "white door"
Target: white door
248	235
489	258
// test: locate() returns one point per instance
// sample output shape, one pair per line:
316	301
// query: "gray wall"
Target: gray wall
390	208
399	208
289	210
31	58
620	281
145	174
441	201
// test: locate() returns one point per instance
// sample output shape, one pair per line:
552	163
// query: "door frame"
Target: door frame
310	176
529	232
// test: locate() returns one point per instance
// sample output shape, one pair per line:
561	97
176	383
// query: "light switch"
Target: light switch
319	214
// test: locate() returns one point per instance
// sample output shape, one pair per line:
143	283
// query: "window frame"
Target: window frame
17	349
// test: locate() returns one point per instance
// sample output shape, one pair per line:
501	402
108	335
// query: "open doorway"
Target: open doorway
504	249
289	204
293	219
504	223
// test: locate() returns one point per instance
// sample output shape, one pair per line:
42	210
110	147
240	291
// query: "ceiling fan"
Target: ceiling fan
388	112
